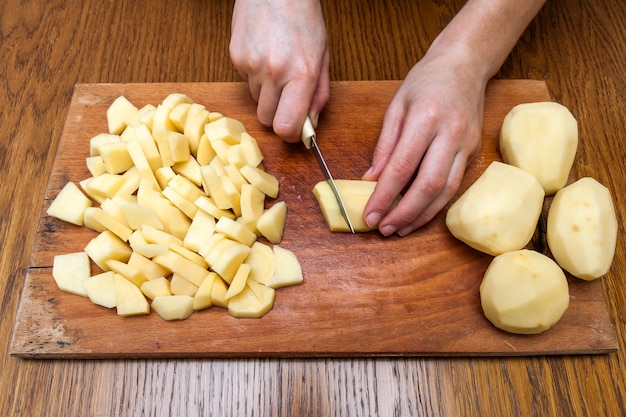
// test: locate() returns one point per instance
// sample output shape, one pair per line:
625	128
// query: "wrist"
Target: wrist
461	58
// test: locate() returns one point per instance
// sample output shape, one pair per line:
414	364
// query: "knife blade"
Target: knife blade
309	139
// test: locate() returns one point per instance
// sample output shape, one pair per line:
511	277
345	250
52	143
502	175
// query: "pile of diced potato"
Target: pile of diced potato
524	291
177	194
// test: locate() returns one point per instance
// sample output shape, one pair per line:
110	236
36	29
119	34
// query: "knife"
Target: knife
308	138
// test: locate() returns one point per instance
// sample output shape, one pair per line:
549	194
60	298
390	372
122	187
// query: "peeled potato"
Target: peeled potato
582	229
499	212
524	292
540	138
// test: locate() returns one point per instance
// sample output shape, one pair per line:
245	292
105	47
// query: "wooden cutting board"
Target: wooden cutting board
363	295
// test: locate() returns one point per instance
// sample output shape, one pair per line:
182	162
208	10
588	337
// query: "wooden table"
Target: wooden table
577	47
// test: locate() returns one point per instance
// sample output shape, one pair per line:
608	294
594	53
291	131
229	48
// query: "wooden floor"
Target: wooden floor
577	47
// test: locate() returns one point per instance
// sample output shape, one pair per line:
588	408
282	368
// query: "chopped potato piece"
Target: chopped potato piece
70	271
225	129
235	231
115	157
149	269
262	260
218	293
69	205
179	285
287	269
137	215
107	246
156	288
254	301
130	301
99	140
201	229
265	182
95	165
99	220
173	307
118	112
203	299
239	281
271	224
130	272
100	289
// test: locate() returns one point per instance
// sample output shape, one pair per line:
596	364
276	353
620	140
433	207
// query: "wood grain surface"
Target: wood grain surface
363	294
575	46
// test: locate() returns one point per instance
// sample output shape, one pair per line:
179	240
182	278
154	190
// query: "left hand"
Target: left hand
431	131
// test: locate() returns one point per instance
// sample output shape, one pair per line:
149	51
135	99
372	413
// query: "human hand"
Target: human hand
280	47
431	131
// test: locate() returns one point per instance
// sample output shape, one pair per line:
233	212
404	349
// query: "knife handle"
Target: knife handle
308	132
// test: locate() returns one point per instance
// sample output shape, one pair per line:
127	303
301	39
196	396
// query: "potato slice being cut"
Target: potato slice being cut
355	195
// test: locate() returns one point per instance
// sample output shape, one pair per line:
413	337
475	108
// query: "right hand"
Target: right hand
281	48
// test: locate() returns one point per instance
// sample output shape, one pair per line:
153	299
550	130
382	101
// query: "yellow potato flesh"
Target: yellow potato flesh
70	205
355	195
70	271
173	307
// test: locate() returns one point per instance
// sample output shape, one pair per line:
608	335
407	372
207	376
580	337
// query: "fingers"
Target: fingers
281	49
427	195
400	151
292	109
322	92
389	136
421	158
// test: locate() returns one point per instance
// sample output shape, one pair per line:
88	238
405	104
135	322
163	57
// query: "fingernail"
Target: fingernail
404	231
387	230
373	219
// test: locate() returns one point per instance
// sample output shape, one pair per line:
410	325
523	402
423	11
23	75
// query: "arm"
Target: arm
280	47
432	128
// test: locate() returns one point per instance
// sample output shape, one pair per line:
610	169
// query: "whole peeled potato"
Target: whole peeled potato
499	212
582	229
524	292
541	138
